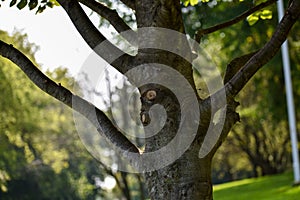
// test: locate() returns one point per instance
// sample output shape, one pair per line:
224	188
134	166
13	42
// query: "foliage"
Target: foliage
264	14
193	2
37	5
43	160
46	160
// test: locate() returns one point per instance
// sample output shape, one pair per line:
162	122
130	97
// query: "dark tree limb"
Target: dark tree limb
129	3
111	15
200	33
125	188
231	118
93	37
93	114
264	55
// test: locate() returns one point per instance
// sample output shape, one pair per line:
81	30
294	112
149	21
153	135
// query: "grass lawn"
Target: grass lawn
278	187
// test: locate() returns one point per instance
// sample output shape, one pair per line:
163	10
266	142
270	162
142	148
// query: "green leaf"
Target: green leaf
186	3
22	4
54	2
12	3
32	4
40	9
252	19
266	14
49	4
193	2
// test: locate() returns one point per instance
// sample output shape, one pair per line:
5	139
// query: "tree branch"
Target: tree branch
200	33
129	3
105	12
93	114
267	52
93	37
264	55
231	118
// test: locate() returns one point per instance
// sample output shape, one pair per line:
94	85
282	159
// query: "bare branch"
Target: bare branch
200	33
231	118
101	122
264	55
93	37
234	86
105	12
129	3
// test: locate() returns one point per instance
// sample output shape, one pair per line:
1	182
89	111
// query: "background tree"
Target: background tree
26	161
46	160
189	176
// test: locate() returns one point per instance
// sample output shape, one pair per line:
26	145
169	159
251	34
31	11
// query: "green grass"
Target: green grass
278	187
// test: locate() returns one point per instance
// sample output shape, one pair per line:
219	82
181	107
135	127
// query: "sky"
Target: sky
60	43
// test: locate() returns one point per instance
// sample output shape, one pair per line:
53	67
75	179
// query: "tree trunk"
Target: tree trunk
187	178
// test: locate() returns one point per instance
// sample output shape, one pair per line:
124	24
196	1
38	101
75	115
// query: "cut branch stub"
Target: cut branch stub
150	95
147	101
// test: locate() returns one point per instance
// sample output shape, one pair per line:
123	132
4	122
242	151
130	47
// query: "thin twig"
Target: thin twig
200	33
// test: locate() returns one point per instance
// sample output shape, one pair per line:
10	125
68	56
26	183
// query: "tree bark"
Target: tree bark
187	178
